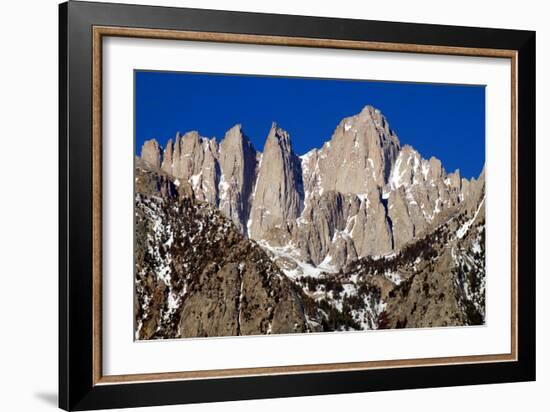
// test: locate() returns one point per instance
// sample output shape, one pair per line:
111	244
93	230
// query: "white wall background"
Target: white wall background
28	206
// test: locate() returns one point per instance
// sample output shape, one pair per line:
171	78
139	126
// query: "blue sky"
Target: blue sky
445	121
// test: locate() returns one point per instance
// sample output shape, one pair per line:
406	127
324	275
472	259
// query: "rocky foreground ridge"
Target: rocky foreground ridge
362	233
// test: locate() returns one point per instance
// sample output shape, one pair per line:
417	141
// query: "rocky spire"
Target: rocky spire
193	158
151	153
278	194
168	157
237	158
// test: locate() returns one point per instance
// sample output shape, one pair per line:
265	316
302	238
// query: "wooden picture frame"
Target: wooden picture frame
82	385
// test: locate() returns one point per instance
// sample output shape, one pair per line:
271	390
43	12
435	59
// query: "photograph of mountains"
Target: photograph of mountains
277	205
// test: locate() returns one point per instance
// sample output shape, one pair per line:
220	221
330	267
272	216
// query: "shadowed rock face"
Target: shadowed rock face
361	197
448	288
196	275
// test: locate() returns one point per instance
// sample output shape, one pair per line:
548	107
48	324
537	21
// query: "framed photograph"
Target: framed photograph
257	206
